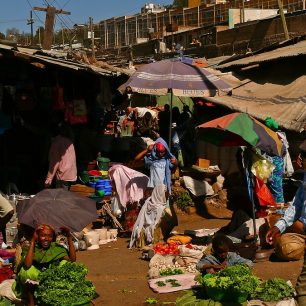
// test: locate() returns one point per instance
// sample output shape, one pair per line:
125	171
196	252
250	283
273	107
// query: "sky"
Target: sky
14	13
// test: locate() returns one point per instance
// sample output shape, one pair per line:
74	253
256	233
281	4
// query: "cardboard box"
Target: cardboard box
203	163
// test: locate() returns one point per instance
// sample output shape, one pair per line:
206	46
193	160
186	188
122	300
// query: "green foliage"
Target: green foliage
5	302
274	289
180	3
173	282
151	301
237	278
190	299
184	200
64	285
169	271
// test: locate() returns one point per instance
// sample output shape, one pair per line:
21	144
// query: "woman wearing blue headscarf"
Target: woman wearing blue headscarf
160	161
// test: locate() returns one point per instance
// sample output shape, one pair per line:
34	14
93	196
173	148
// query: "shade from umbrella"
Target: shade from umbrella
58	207
183	79
240	129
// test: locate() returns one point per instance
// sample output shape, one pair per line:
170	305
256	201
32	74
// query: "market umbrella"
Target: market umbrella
57	207
180	77
240	129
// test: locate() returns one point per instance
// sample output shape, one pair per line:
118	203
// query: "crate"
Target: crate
203	163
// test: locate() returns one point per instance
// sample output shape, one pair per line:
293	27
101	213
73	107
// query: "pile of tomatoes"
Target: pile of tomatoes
166	249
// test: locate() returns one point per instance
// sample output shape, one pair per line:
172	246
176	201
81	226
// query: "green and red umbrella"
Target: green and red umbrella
240	129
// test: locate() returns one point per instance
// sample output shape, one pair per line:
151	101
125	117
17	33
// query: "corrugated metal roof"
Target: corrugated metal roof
59	59
284	52
285	103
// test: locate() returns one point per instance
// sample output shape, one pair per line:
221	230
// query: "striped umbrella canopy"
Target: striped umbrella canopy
181	77
240	129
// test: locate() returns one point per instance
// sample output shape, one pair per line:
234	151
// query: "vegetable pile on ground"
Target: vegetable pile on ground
274	289
170	271
64	285
171	281
166	249
236	284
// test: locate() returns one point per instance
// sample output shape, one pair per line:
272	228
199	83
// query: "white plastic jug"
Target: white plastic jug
102	233
92	239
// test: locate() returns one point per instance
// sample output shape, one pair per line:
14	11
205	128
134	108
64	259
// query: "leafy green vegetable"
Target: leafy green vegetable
160	284
236	278
64	285
190	299
151	301
274	289
169	271
173	282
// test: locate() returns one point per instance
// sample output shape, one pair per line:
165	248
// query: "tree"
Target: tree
180	3
12	34
2	36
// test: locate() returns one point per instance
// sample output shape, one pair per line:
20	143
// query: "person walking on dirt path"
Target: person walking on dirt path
62	161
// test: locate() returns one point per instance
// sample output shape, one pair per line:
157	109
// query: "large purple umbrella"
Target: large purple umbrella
179	76
57	207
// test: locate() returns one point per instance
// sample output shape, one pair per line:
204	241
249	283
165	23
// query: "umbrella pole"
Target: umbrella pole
170	121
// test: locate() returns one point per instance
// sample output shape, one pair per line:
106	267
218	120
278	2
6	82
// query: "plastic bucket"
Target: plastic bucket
103	163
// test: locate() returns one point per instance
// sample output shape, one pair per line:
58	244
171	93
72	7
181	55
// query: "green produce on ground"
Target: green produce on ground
190	299
274	289
64	285
170	271
236	284
236	278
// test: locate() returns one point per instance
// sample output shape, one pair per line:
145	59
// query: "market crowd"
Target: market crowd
142	194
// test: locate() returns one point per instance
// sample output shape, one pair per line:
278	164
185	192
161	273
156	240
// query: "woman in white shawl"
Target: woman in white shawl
149	217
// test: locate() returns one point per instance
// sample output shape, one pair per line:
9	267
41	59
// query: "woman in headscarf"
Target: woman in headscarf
145	228
160	162
40	254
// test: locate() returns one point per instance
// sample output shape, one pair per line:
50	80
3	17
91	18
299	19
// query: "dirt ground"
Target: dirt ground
120	275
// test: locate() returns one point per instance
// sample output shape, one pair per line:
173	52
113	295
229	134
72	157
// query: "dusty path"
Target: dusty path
120	275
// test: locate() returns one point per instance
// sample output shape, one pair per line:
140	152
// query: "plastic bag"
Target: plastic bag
262	169
263	193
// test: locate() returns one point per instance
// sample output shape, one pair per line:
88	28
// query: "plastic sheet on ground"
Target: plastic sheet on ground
186	281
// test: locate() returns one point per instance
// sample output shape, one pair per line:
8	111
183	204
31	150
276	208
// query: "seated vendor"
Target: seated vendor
41	253
288	233
220	257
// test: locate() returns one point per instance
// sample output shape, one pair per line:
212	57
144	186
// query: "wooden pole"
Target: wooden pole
282	15
92	38
49	24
